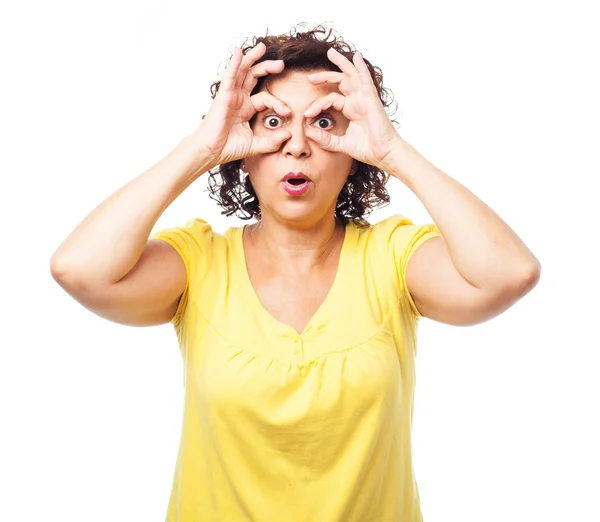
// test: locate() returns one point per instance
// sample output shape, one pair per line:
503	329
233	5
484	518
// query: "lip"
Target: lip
296	190
296	175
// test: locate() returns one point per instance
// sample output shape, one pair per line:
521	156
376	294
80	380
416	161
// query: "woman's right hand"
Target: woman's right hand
225	130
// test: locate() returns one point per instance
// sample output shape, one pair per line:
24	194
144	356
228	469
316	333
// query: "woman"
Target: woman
298	332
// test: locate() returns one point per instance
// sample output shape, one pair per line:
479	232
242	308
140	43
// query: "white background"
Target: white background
503	96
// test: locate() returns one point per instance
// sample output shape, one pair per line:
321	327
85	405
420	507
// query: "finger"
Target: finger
326	77
233	67
251	56
324	139
362	68
341	61
272	142
263	100
333	99
261	69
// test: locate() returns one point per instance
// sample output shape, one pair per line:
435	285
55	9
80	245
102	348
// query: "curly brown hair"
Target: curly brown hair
305	51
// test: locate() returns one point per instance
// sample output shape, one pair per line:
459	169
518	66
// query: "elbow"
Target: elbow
59	268
67	274
530	278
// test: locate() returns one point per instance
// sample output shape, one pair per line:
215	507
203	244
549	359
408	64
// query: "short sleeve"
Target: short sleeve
193	242
404	237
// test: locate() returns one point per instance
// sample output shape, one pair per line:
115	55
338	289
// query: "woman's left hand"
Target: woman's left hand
370	137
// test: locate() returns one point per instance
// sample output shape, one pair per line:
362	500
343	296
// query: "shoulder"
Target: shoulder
400	234
382	244
195	241
389	225
390	244
194	229
389	234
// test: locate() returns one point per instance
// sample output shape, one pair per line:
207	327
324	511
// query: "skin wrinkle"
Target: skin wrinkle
299	233
282	76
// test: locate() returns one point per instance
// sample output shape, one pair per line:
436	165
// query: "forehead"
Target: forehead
294	86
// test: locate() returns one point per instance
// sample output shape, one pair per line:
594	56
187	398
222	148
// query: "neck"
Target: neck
296	249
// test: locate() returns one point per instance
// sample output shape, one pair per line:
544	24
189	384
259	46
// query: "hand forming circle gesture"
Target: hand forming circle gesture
370	136
225	130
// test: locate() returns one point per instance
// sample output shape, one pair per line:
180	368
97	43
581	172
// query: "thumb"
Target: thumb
273	141
323	139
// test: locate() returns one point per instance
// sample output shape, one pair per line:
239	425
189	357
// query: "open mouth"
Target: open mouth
296	186
296	181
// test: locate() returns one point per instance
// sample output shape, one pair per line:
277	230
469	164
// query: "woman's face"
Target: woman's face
328	171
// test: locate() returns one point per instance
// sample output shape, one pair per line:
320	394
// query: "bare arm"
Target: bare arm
108	264
106	245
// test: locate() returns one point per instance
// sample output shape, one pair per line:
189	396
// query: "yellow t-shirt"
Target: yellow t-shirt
279	426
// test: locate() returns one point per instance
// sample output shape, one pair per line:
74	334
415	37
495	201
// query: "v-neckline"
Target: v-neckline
321	312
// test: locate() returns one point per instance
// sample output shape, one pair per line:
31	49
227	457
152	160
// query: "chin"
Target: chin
296	212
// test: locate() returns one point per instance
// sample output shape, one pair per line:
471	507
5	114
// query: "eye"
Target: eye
322	122
271	121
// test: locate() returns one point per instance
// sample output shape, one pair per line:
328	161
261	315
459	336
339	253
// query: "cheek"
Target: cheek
341	163
260	174
256	165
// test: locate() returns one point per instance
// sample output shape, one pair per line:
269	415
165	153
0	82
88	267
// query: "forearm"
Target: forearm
106	245
484	249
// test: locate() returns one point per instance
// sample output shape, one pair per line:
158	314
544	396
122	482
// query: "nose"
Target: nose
298	144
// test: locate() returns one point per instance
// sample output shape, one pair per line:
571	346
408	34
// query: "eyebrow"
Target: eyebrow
330	111
324	111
